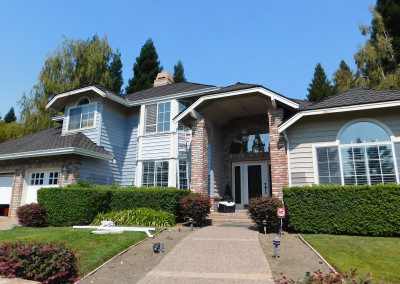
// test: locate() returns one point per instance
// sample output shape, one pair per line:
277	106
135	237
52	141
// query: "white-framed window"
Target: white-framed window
183	174
53	178
37	179
155	173
158	117
82	116
365	155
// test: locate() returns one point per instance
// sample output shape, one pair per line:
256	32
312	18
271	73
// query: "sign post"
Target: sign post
281	213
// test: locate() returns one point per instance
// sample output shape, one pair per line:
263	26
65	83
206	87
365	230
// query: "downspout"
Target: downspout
288	158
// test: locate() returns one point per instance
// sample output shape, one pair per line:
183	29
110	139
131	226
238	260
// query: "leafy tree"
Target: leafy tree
145	69
320	87
374	55
10	116
75	63
179	72
116	72
390	12
343	77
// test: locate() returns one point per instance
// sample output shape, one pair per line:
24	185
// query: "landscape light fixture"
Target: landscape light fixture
276	242
191	223
264	223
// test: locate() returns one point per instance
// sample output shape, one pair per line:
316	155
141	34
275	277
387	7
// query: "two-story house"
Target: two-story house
243	139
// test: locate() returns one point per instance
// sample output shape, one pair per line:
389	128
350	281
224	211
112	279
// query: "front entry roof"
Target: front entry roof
252	95
51	142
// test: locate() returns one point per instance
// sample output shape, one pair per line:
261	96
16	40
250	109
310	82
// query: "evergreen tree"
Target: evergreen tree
179	72
145	69
116	72
10	116
258	144
320	87
343	77
390	12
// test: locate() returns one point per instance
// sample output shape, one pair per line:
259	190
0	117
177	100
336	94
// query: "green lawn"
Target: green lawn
378	255
92	250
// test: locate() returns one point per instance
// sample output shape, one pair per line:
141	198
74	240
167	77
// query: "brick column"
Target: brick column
199	158
70	174
17	189
279	171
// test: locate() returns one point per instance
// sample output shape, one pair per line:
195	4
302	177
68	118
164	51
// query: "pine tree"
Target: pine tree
10	116
320	87
343	78
179	72
116	72
145	69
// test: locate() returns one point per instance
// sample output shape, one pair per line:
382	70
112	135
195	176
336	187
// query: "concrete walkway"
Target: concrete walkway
215	254
7	223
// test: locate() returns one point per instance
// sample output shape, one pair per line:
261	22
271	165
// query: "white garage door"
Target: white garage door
6	182
38	179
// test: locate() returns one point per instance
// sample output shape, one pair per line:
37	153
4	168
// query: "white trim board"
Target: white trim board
58	151
301	114
274	97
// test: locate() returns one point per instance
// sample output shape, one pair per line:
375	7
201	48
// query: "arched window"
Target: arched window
250	143
364	156
83	101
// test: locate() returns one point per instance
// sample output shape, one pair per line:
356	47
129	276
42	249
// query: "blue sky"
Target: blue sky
273	43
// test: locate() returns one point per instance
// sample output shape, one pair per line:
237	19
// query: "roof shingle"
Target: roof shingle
49	139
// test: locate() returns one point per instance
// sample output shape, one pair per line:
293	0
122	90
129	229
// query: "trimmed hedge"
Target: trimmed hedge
160	198
359	210
79	205
66	206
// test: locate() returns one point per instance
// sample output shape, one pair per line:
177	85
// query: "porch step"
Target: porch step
236	217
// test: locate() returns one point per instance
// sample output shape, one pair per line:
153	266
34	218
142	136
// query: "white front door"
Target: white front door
249	179
36	180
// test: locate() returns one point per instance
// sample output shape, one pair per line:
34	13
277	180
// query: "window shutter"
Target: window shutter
151	118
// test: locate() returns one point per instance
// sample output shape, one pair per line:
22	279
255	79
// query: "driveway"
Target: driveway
7	223
214	254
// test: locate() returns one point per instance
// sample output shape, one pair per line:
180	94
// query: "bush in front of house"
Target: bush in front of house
79	204
32	215
332	209
264	208
137	217
160	198
47	263
66	206
195	206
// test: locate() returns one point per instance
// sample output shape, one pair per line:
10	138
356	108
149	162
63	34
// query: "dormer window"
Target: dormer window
82	116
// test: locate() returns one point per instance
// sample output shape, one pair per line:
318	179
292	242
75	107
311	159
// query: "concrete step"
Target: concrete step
236	217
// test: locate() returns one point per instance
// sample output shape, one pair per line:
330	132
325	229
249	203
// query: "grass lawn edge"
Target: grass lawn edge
318	254
118	254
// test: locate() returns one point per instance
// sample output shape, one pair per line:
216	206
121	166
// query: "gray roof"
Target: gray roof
50	139
166	90
356	96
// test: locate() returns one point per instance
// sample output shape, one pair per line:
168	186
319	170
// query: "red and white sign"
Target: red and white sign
281	212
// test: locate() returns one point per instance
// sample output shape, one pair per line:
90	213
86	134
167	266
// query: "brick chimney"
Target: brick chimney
163	78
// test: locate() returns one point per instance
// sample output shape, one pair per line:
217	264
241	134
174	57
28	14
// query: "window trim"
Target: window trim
156	123
336	143
83	128
155	173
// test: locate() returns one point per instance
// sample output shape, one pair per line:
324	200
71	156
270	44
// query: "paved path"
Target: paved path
7	223
215	254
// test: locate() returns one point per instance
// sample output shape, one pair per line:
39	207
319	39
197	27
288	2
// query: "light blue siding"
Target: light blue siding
131	140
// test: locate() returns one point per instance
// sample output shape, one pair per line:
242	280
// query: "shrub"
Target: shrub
264	208
361	210
47	263
159	198
80	203
138	217
32	215
73	205
195	206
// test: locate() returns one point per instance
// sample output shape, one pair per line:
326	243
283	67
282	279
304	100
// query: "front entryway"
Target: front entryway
249	180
